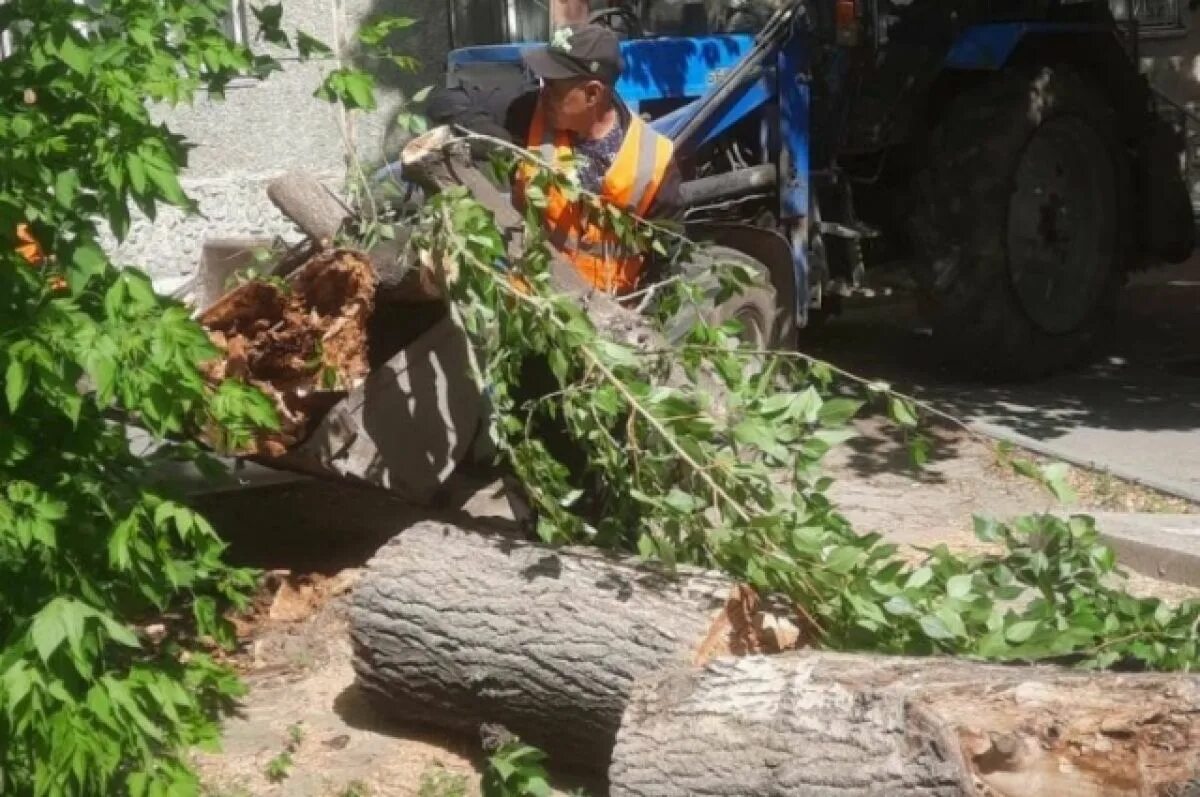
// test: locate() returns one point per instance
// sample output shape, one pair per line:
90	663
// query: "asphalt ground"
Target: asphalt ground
1133	411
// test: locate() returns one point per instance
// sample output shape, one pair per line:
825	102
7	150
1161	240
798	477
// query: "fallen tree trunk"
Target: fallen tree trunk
834	724
564	647
454	629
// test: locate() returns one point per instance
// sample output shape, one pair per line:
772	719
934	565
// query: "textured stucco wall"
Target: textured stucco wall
264	128
1173	66
1173	63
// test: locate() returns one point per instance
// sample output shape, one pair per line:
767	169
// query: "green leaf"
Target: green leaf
119	633
16	382
919	578
843	560
137	172
952	621
987	529
361	88
47	631
902	412
757	434
66	185
1055	478
1021	631
1026	468
959	587
22	126
837	412
373	33
74	56
935	628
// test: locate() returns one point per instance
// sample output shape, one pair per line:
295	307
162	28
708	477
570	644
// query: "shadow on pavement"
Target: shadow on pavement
1146	377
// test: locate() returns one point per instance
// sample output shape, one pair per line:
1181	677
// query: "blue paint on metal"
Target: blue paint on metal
989	47
671	123
740	105
693	68
655	69
794	203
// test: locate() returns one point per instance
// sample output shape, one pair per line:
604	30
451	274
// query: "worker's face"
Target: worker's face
574	105
564	13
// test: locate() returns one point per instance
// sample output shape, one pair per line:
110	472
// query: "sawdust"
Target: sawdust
302	341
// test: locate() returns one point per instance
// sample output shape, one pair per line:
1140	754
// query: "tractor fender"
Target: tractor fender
768	247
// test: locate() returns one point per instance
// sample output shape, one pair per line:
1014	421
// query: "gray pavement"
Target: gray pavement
1134	412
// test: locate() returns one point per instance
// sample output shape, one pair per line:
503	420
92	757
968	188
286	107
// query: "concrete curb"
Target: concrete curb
1166	547
1178	489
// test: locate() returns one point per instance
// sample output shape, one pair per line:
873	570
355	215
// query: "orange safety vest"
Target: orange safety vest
632	183
28	246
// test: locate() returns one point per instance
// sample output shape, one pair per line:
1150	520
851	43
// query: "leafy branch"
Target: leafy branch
721	468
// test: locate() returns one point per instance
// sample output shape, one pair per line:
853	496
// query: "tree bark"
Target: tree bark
455	629
314	208
833	724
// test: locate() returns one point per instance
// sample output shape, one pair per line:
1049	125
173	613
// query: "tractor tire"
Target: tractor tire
1022	224
756	308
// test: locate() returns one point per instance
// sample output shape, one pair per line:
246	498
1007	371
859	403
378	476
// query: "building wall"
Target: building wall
265	128
1173	65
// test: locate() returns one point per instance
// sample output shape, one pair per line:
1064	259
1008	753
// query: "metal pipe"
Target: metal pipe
732	185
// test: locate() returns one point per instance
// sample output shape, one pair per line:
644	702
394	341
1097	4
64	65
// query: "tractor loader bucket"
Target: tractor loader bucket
403	423
408	426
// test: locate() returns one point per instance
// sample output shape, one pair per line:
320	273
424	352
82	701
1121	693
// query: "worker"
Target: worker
576	113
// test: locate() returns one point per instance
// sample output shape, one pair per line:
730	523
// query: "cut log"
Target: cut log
314	208
454	629
811	723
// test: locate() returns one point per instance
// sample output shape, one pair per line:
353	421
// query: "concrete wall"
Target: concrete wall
1173	63
1173	66
264	128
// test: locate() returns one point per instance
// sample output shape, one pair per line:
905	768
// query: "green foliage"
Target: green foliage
296	734
708	453
352	87
89	552
279	768
437	782
516	770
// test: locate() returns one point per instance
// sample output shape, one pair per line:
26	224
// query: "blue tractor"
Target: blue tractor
1006	153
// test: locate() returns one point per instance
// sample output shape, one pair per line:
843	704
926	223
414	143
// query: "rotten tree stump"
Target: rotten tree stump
302	340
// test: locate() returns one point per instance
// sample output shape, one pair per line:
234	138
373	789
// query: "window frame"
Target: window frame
1178	25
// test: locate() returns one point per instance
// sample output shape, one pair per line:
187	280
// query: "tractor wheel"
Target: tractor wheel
756	308
1022	224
